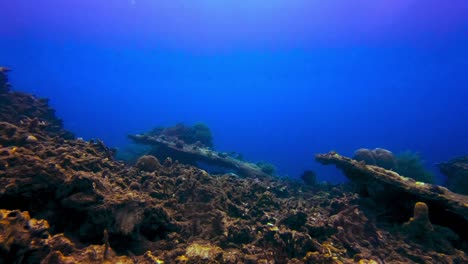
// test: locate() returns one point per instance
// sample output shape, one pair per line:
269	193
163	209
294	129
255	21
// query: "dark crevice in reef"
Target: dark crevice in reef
66	200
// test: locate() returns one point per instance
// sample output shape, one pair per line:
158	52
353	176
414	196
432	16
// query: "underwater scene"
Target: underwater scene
203	131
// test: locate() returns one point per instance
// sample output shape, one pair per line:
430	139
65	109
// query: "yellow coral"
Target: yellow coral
419	224
365	261
202	251
182	258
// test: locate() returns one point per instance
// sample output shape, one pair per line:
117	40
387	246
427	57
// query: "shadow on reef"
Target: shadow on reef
65	200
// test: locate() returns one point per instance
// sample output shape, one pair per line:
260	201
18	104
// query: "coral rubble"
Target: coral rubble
66	200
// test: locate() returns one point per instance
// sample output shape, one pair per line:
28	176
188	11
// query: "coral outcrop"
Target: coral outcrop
198	134
398	193
148	163
309	177
419	226
164	146
4	86
379	157
456	171
407	163
66	200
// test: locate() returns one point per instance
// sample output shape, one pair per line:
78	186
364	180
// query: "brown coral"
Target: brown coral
379	157
148	163
419	224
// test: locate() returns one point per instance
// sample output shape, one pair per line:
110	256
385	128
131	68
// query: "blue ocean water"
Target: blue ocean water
275	80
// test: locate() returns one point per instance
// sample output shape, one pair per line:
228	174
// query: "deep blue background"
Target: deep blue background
275	80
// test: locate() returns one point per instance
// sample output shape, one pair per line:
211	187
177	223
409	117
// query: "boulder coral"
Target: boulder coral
378	157
365	155
148	163
408	164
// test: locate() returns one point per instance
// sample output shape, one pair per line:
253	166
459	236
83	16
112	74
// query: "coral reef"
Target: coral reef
193	154
398	193
4	86
66	200
408	164
411	165
199	134
379	157
16	107
148	163
419	228
267	168
309	177
419	225
456	171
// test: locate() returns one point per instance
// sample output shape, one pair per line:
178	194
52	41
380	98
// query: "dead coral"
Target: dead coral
20	235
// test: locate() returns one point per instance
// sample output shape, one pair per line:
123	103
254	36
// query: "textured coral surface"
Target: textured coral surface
65	200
